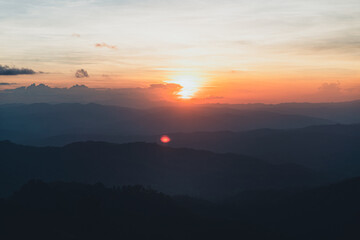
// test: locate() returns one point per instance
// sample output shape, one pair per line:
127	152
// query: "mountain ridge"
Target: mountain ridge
172	170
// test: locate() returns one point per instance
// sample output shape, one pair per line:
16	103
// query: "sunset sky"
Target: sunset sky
231	51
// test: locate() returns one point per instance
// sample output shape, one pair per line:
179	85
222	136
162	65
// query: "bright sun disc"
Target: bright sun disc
165	139
190	85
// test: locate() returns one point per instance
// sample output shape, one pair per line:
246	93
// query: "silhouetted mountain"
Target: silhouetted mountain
76	211
21	122
174	171
332	148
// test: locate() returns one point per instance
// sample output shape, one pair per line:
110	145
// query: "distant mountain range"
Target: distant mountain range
266	170
341	112
293	141
174	171
28	122
330	148
31	123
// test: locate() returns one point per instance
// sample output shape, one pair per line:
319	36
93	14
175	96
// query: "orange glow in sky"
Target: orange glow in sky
165	139
190	85
229	52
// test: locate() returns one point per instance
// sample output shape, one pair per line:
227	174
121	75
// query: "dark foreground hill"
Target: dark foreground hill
67	211
174	171
77	211
328	212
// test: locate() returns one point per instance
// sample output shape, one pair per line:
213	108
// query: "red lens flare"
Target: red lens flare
165	139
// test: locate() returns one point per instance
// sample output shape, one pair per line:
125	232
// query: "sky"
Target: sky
231	51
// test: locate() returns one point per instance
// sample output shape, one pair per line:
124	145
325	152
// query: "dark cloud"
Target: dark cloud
81	73
6	84
77	86
6	70
105	45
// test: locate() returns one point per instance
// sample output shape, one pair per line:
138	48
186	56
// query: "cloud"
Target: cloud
172	86
207	99
102	45
330	91
344	43
6	70
332	88
81	73
214	97
354	89
6	84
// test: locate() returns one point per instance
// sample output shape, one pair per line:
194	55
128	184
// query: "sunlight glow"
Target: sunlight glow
165	139
190	85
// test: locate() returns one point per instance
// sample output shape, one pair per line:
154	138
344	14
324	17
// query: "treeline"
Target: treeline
77	211
61	210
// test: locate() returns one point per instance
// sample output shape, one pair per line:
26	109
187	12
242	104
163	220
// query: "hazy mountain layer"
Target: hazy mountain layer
27	122
175	171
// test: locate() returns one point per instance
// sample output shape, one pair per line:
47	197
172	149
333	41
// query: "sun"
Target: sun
190	85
